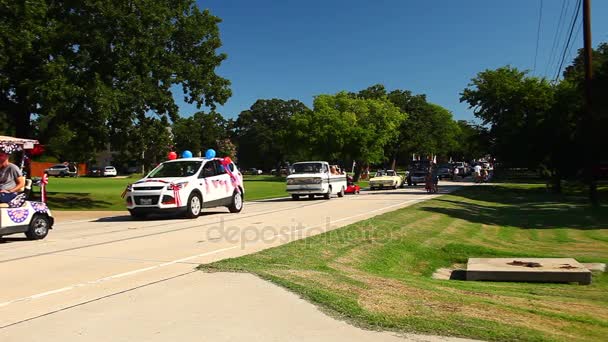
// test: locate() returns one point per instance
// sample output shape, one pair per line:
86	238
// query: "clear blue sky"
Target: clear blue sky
299	49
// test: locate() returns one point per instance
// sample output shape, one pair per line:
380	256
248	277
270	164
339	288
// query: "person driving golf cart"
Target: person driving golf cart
12	181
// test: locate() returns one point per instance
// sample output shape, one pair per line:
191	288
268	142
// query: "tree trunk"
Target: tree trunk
556	181
22	123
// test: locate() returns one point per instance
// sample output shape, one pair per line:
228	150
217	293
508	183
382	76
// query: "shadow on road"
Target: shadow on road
155	217
10	239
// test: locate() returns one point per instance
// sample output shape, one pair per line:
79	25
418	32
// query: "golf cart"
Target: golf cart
32	218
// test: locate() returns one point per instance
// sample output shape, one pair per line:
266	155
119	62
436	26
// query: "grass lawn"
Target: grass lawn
377	273
86	193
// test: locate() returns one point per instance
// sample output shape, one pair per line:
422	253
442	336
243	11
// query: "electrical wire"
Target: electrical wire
558	31
566	47
540	19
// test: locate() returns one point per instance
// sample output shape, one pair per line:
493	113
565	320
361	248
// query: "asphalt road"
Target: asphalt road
88	275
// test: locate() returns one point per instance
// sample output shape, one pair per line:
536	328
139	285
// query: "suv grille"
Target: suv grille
146	200
144	188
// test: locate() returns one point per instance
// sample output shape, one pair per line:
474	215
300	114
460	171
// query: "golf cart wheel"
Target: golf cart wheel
39	227
328	194
295	197
195	205
341	193
237	203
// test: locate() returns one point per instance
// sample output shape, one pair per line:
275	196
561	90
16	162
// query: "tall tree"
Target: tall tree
95	67
262	132
514	105
344	128
201	131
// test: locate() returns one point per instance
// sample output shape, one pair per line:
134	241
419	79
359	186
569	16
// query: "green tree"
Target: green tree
429	129
514	106
95	67
263	135
200	132
344	128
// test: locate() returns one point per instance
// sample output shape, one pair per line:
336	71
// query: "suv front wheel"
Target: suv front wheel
195	204
237	203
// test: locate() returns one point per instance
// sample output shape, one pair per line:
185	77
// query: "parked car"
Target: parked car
416	176
132	169
109	171
60	170
463	169
95	171
444	171
186	187
254	171
385	179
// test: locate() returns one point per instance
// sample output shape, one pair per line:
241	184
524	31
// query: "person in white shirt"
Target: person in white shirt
477	169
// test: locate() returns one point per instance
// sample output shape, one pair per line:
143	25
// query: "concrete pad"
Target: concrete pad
545	270
595	266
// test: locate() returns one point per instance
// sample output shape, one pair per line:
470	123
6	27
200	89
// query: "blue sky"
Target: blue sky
299	49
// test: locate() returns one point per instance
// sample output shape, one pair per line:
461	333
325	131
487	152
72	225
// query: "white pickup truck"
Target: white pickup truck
314	178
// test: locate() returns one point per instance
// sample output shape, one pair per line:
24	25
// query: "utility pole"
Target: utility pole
588	125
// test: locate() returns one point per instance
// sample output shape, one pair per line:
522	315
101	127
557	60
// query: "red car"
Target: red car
351	187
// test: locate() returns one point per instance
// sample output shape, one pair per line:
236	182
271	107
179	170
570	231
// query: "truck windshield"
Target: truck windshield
176	169
307	168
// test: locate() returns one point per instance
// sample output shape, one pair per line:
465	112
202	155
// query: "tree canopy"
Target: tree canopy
95	68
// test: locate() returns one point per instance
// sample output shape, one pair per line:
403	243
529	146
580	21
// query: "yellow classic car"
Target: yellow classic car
385	179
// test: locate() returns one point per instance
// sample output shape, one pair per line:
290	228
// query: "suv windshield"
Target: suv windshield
307	168
176	169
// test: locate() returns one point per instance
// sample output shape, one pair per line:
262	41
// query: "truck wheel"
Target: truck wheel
39	227
194	206
328	194
237	203
295	197
341	193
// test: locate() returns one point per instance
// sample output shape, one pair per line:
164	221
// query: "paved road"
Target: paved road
88	276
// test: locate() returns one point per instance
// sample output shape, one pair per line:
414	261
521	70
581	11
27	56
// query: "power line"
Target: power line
578	30
574	20
540	19
554	45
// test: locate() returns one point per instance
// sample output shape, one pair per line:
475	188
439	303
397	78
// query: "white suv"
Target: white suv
186	186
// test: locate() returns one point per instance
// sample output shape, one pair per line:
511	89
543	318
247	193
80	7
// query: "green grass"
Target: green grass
86	193
377	273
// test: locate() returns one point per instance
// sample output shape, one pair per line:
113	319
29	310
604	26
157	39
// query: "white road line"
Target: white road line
125	274
115	276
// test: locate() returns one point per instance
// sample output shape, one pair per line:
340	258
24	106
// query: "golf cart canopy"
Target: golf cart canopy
11	144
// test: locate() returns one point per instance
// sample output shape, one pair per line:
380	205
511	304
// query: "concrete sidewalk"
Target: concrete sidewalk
198	307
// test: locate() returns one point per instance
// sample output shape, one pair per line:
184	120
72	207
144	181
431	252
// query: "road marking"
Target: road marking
115	276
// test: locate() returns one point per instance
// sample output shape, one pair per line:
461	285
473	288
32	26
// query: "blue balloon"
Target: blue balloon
210	153
186	154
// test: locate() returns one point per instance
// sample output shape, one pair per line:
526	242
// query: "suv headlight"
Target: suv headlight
291	181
